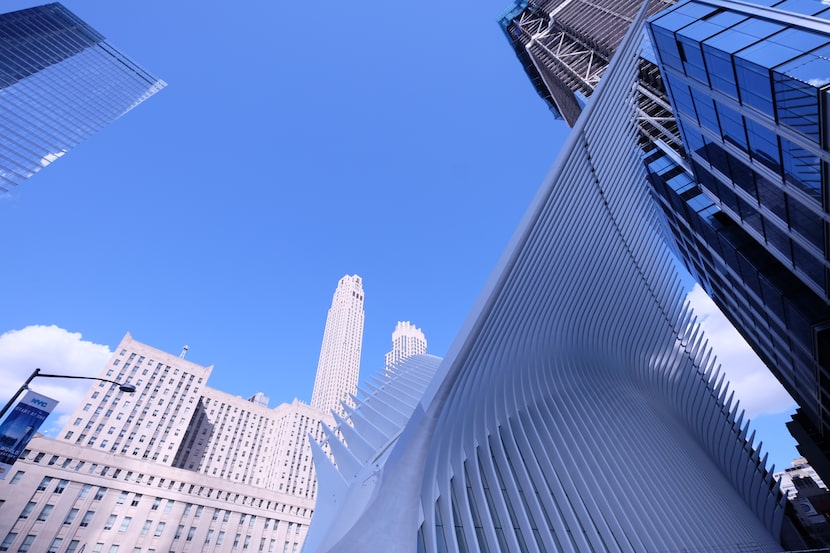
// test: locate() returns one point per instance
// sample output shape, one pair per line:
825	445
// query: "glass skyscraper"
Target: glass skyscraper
732	126
60	82
747	84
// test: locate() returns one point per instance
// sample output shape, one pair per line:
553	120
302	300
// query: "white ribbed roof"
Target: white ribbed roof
580	408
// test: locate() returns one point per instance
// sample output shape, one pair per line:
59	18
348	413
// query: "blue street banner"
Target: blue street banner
20	425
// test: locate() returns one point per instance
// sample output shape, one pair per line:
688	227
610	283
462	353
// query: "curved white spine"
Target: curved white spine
581	408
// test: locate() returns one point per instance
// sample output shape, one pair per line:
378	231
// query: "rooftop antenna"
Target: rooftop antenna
184	352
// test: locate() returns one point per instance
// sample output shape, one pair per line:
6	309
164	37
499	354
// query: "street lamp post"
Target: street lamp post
129	388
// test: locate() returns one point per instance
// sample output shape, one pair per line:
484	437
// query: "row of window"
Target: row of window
170	484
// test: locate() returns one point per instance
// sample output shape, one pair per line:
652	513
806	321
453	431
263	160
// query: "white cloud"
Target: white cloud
759	391
54	351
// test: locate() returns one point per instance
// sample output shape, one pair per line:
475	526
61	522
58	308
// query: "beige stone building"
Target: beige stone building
174	467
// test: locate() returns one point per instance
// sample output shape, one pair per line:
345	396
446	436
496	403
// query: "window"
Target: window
156	503
39	457
16	478
44	513
146	528
191	533
44	483
125	524
7	542
179	531
87	518
159	529
209	536
99	495
27	510
114	549
199	509
122	498
135	500
70	516
61	486
27	543
220	537
110	522
72	547
84	491
56	543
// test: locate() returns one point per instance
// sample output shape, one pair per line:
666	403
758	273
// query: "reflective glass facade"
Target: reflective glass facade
746	85
60	82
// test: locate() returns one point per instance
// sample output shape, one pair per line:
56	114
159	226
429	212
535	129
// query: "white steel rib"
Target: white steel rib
579	410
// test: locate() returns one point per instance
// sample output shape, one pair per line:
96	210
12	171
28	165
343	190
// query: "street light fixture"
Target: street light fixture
129	388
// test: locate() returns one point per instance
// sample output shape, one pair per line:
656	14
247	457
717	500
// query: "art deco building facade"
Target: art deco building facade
407	340
60	82
176	466
339	366
579	367
742	178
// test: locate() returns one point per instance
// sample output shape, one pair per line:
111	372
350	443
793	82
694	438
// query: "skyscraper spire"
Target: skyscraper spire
339	365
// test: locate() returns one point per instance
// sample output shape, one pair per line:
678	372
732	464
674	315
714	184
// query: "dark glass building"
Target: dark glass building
60	82
747	84
734	133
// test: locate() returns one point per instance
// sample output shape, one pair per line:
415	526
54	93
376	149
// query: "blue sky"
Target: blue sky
293	145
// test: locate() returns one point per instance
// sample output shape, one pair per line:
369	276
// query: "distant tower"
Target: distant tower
407	340
339	365
259	398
